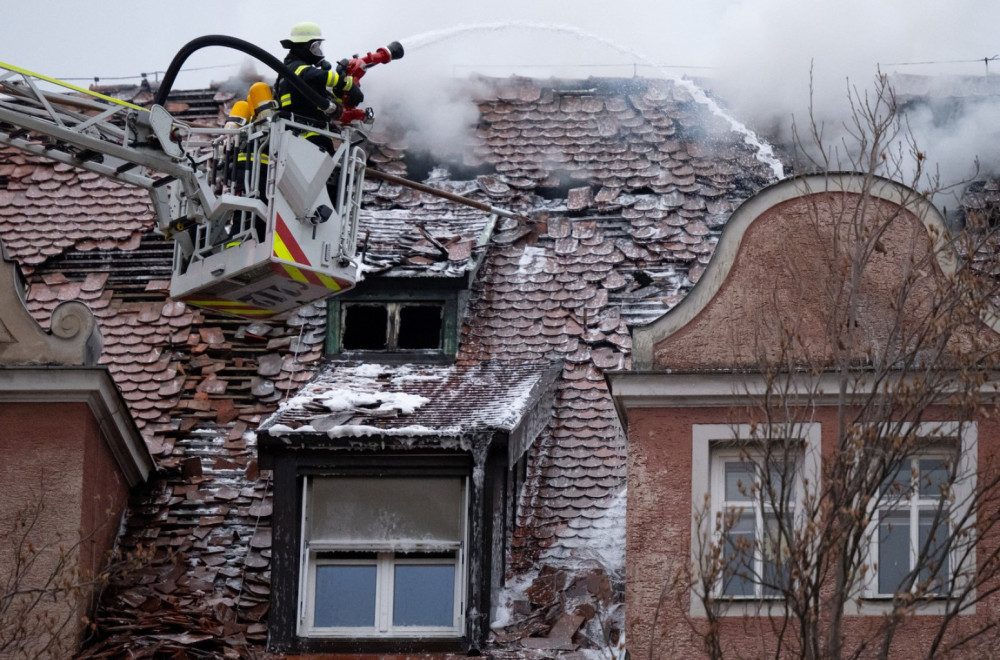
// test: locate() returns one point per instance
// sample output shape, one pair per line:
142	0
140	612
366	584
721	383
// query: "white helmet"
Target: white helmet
304	33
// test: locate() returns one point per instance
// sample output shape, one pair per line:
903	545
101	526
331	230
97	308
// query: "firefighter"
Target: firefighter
305	59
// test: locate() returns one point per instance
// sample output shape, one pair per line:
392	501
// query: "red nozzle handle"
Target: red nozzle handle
393	51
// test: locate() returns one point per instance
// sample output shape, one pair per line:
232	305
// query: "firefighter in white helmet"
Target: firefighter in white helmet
305	59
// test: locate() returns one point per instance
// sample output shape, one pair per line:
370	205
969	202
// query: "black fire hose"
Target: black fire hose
244	46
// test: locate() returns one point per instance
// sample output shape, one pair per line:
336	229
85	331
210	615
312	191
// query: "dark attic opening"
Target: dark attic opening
419	327
557	186
392	326
419	165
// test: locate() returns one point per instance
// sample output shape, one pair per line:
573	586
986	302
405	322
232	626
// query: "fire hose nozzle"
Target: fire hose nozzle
356	66
384	55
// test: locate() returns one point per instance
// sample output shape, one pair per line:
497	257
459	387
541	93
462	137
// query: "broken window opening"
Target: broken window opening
366	328
392	326
420	327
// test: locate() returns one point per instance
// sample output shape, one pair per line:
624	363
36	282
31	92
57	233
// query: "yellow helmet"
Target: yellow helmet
304	33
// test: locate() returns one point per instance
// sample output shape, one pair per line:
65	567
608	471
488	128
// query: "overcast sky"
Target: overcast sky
113	38
758	51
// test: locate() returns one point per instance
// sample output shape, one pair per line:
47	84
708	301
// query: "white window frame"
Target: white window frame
935	436
753	508
385	559
711	445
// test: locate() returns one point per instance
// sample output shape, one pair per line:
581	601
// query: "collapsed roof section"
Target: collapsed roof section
448	245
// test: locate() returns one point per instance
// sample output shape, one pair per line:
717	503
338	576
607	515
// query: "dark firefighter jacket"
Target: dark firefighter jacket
320	80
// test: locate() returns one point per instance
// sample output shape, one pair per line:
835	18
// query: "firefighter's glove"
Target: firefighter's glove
353	97
334	110
342	83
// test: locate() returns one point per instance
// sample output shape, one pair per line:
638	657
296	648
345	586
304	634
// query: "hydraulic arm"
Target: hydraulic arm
263	221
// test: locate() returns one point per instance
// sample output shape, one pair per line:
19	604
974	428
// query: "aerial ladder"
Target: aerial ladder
262	220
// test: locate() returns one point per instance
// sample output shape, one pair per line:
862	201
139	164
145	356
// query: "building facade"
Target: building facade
811	444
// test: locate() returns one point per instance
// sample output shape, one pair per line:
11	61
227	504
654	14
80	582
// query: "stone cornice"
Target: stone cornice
727	389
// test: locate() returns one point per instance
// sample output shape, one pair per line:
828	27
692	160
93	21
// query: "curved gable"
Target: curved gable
778	272
74	338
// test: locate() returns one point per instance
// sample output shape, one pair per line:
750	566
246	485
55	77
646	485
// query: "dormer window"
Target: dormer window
394	538
392	326
411	327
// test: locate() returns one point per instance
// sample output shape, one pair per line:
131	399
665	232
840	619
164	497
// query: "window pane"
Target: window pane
388	512
420	326
780	473
365	328
424	595
737	556
775	555
345	596
897	485
893	550
933	574
739	480
933	477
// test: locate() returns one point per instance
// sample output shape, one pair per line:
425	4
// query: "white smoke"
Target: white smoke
430	102
757	53
438	112
771	55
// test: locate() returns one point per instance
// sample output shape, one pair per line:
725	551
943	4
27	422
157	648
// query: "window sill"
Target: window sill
394	357
381	645
748	606
878	605
367	636
867	606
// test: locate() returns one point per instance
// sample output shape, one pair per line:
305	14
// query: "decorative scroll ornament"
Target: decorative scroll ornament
75	338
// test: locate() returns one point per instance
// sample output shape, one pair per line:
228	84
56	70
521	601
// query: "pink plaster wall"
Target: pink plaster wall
785	269
658	544
54	455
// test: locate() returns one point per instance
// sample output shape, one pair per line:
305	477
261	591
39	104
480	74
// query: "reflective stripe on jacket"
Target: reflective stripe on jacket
322	81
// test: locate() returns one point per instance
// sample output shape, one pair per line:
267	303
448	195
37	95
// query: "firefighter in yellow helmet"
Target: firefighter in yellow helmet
305	59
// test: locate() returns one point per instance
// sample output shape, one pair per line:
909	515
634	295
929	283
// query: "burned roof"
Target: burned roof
656	172
623	187
449	245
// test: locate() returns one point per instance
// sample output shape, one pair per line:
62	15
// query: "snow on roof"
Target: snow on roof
354	398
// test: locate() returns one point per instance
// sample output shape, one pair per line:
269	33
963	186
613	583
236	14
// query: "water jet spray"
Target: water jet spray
763	151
